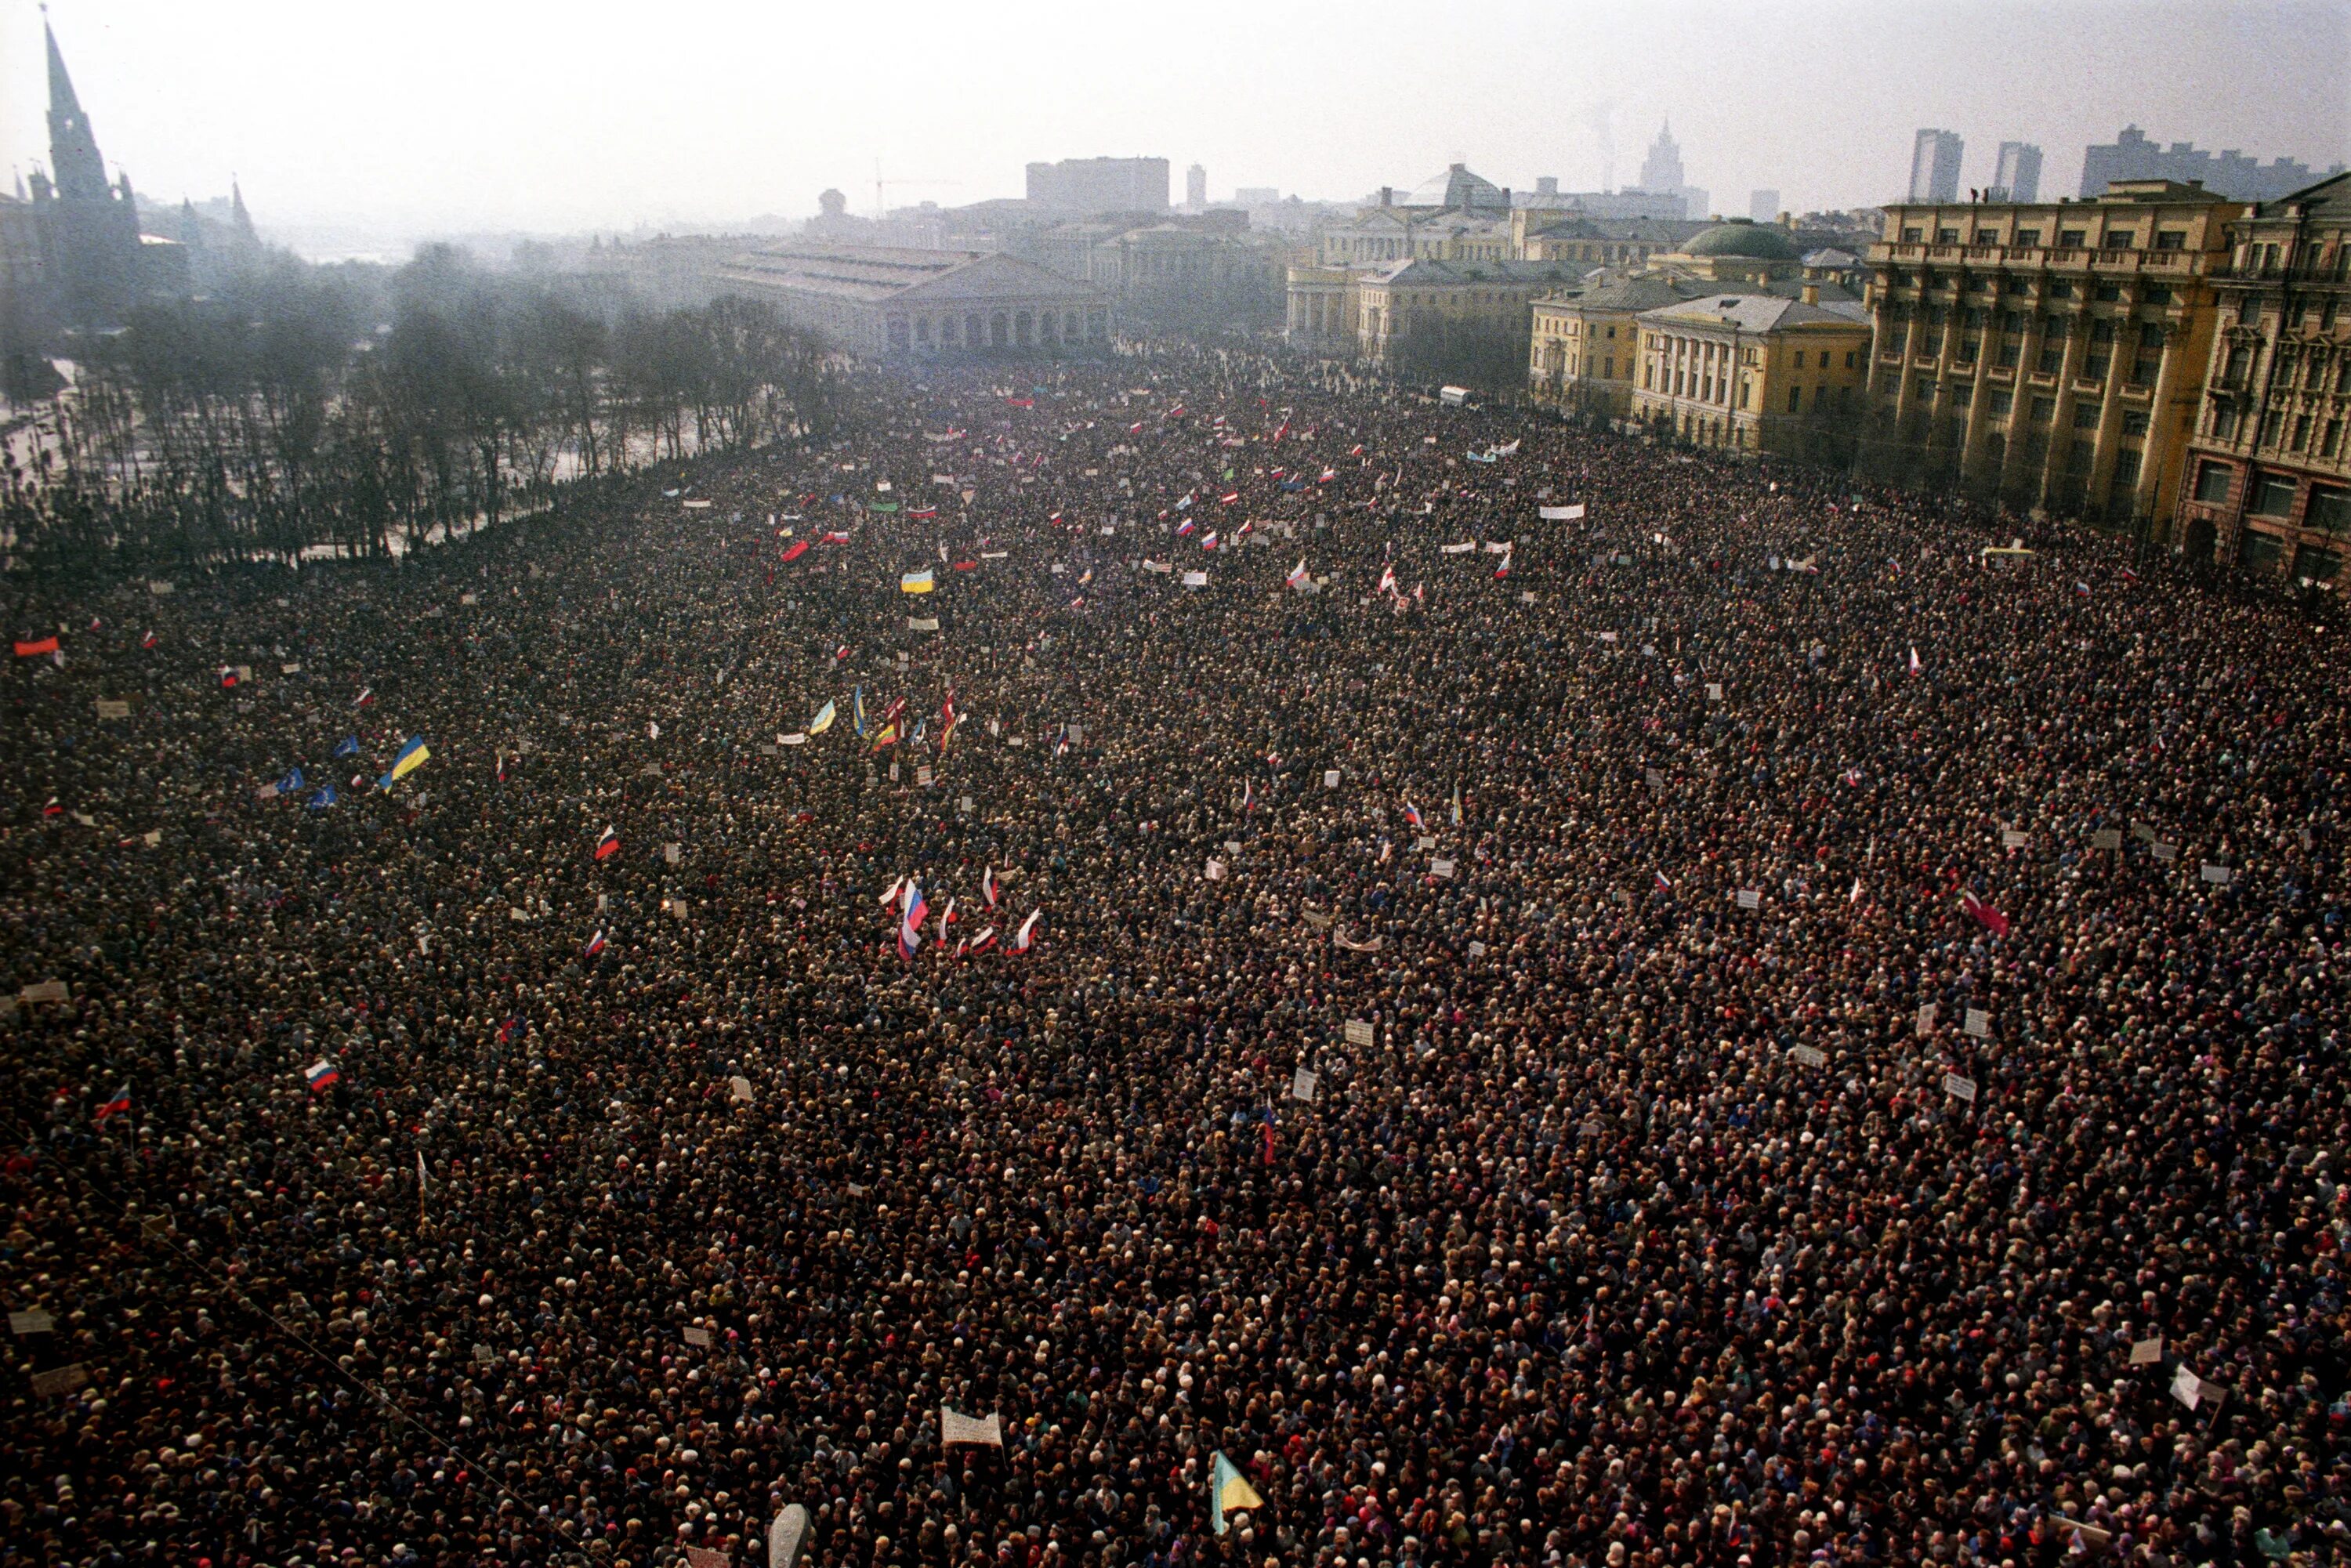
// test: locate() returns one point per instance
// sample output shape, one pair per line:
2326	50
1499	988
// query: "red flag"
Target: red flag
799	548
34	650
1992	919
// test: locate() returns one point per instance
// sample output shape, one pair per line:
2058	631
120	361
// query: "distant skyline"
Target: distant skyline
434	116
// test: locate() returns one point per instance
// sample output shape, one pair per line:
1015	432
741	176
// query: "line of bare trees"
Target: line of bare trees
345	407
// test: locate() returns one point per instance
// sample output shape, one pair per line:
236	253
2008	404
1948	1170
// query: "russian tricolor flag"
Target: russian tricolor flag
595	945
609	845
1411	815
910	925
118	1106
987	886
323	1075
1024	939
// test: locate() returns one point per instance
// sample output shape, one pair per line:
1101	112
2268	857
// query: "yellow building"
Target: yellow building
2051	354
2267	484
1753	372
1581	347
1584	345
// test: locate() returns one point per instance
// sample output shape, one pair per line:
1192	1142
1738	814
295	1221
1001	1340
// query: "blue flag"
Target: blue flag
291	782
857	709
323	798
349	748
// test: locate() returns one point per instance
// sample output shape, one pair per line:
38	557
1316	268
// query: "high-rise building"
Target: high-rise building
1935	166
1101	185
1195	187
2049	354
1661	174
2131	156
1763	206
2017	176
1662	169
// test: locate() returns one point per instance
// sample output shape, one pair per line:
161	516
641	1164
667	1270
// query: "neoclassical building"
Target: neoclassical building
2051	354
1582	347
2267	483
1752	371
882	301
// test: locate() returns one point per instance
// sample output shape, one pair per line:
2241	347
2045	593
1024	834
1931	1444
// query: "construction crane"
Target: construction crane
880	184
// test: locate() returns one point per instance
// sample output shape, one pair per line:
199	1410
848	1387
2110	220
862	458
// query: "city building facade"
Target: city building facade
885	302
1582	352
1754	373
2267	481
2050	355
1460	302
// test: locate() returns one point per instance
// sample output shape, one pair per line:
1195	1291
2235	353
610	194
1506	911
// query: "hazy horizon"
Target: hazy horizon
434	117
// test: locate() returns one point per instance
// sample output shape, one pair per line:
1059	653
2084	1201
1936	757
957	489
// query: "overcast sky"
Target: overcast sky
492	114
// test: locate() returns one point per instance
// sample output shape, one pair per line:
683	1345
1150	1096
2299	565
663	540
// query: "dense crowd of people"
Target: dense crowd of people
1728	1025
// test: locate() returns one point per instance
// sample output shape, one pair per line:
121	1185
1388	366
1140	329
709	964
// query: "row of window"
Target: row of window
2067	239
2281	430
2272	495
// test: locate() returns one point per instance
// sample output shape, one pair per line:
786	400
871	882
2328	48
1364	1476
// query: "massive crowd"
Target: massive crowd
1820	1044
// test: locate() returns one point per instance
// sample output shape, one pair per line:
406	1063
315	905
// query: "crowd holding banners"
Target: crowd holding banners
1632	1215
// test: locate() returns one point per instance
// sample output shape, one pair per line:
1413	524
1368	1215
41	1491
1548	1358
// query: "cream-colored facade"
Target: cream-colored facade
1437	299
1582	352
1585	345
1753	372
2267	484
882	301
2051	354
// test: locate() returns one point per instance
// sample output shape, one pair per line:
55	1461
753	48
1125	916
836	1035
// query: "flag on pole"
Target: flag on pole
890	893
1456	805
366	697
322	1075
34	649
945	915
595	945
799	547
1024	939
823	720
857	711
412	756
609	845
984	941
118	1106
987	886
291	783
916	581
1228	1493
1411	815
1664	886
1914	660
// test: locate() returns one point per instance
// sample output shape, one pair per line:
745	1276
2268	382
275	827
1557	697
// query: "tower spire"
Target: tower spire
61	88
74	161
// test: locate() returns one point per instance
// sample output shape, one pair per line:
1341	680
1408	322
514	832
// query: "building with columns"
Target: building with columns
884	302
1753	372
2267	481
1582	352
2048	354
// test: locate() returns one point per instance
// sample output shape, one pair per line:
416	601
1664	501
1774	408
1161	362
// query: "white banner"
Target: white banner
983	1431
1196	580
1463	547
1302	1083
